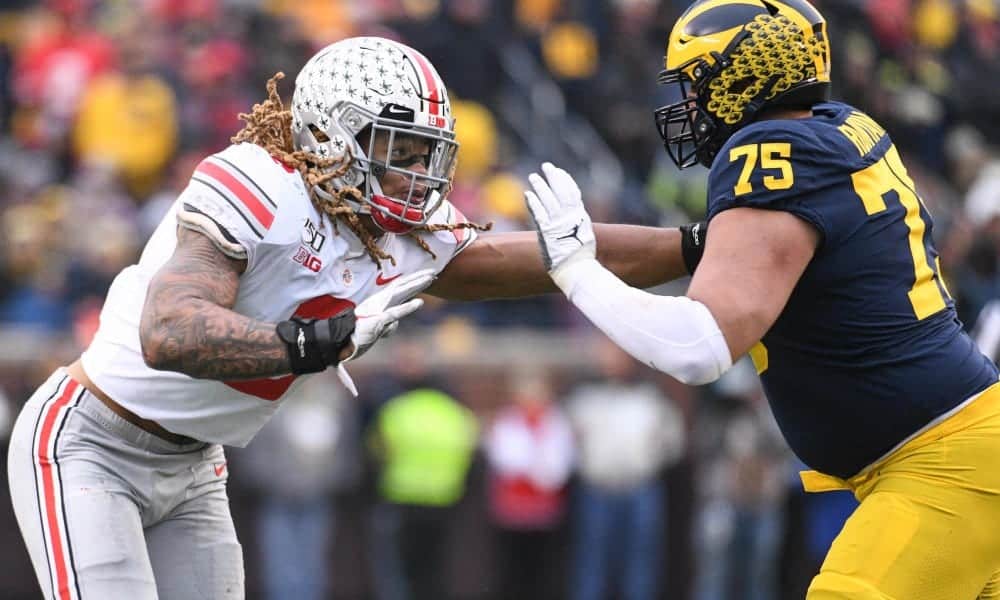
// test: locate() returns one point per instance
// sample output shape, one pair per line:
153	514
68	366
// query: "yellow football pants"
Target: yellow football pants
928	526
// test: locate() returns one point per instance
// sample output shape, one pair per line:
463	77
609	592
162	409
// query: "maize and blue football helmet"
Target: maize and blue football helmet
730	59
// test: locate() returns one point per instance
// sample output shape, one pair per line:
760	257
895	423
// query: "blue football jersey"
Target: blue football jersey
869	349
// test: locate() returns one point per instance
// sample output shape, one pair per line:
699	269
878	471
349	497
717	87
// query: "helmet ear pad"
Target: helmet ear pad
707	130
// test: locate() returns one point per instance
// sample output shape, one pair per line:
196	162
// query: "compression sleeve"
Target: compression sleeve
673	334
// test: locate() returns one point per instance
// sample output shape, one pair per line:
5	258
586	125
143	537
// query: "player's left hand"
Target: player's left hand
378	316
565	233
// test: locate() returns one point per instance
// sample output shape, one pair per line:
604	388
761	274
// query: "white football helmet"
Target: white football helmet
376	83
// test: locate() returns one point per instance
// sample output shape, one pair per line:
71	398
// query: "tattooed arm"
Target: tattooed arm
188	324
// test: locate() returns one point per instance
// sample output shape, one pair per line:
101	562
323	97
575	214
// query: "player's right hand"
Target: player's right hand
565	233
378	316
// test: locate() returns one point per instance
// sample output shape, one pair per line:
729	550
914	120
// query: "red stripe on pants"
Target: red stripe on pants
48	490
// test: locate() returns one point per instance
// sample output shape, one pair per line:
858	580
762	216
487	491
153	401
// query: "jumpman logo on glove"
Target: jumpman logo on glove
573	234
556	207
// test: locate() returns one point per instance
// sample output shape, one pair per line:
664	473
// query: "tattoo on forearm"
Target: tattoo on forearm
188	326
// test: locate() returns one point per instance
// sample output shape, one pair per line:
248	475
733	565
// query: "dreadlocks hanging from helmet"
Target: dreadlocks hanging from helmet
344	184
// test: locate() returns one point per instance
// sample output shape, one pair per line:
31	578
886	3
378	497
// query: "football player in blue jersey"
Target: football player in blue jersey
821	265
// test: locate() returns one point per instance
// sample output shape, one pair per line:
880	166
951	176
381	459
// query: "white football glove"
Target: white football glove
565	233
378	316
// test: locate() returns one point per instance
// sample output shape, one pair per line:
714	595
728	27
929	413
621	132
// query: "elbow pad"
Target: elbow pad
673	334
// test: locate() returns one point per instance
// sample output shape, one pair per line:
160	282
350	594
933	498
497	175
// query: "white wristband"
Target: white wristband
566	274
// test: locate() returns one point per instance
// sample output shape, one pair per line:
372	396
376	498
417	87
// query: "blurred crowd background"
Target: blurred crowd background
499	449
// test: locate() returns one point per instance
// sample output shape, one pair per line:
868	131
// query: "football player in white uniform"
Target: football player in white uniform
292	250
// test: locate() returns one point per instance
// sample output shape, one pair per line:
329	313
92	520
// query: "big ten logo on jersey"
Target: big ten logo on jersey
312	239
307	259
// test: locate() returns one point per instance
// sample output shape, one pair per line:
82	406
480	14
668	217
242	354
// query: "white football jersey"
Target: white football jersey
298	264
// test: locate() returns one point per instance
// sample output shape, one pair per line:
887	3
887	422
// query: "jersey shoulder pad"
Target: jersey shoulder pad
234	197
774	164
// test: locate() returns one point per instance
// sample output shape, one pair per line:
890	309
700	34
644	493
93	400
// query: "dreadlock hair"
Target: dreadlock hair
269	125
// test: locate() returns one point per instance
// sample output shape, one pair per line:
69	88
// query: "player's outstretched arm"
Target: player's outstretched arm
748	272
507	265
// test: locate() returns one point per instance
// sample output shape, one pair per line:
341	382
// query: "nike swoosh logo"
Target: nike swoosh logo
219	469
384	280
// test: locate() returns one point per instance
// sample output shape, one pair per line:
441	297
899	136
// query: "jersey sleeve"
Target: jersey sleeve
228	204
777	165
448	244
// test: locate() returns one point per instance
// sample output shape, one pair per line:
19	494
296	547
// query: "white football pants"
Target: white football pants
109	511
